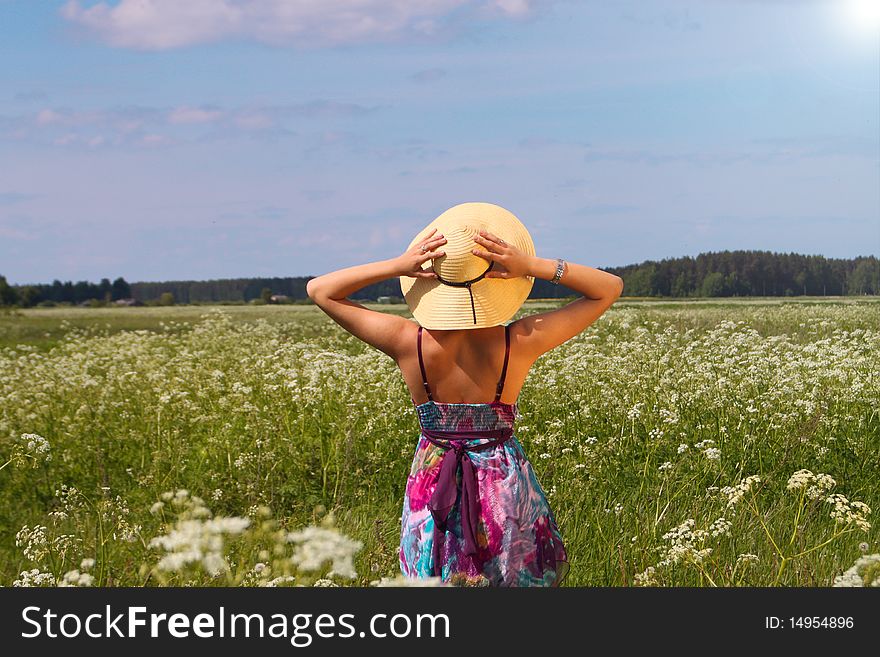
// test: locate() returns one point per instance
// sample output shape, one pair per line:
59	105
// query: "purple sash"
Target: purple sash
446	491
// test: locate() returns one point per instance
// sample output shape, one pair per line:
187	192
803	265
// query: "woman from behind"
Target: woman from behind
474	512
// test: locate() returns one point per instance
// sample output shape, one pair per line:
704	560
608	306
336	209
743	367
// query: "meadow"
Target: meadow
723	443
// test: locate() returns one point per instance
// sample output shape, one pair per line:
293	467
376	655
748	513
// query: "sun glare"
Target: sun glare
863	15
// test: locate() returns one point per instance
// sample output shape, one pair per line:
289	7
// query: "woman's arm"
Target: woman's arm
378	329
541	332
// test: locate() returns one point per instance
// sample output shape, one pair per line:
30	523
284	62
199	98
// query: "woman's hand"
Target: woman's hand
513	262
410	263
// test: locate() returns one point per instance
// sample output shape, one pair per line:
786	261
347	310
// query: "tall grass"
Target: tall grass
678	444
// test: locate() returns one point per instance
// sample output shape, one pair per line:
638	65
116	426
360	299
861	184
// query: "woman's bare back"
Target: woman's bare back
463	366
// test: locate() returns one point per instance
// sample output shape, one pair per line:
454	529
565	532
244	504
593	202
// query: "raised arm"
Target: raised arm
541	332
381	330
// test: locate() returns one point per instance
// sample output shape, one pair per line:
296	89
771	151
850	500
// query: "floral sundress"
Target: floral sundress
474	513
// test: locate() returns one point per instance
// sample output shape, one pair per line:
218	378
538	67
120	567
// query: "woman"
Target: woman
474	512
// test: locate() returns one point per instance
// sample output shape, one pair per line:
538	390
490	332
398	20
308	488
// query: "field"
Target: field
721	443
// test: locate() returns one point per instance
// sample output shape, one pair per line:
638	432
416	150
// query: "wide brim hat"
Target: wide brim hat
447	303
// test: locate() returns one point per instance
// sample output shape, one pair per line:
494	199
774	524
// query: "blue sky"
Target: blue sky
157	139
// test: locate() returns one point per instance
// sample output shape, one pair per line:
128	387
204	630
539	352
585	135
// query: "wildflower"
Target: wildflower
683	544
402	580
814	486
712	453
736	493
324	582
318	545
746	558
33	577
281	579
30	446
33	541
849	512
720	527
76	578
864	572
646	577
194	539
37	446
635	412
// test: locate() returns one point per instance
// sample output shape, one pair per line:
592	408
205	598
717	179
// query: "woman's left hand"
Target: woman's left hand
410	263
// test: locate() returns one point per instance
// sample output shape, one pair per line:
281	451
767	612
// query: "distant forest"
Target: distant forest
721	274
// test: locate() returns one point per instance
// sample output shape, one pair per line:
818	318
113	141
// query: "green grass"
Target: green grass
277	406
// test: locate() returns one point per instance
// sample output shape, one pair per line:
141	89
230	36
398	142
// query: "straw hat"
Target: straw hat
446	303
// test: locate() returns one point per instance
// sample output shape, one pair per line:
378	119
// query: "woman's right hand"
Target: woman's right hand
410	263
513	262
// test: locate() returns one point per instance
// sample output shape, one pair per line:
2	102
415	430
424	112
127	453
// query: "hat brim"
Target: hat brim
438	306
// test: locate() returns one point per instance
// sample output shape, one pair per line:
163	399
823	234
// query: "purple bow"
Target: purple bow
446	490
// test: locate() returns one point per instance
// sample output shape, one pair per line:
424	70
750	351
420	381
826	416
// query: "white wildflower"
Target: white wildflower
864	572
814	485
37	446
196	538
736	493
279	580
324	582
746	558
76	578
646	577
849	512
720	527
402	580
33	541
33	577
318	545
712	453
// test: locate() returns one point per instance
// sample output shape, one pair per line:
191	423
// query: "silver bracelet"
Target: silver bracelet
560	268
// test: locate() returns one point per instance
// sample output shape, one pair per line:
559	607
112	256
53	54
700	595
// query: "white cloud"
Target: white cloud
167	24
147	126
47	116
254	121
153	139
193	115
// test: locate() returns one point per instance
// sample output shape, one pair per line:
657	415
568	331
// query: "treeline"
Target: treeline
58	292
721	274
751	273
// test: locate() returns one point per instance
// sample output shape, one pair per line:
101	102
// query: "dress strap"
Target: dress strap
422	367
506	356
